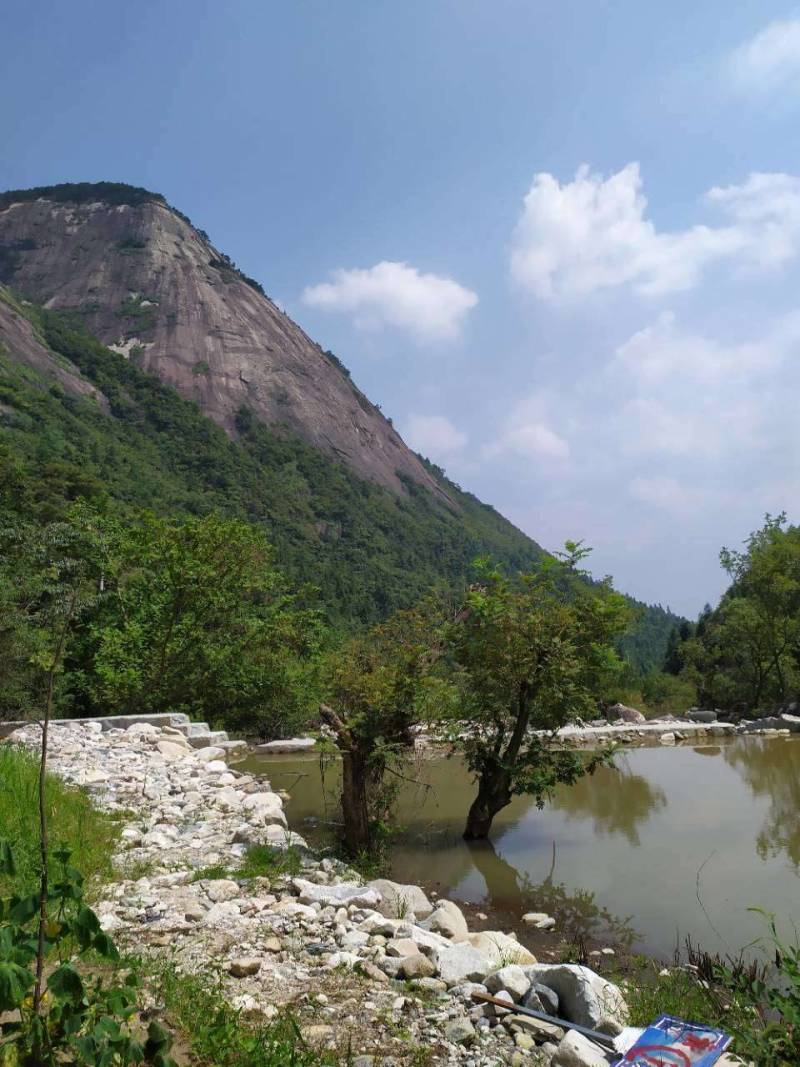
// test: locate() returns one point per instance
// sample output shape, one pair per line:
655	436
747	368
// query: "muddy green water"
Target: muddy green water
674	842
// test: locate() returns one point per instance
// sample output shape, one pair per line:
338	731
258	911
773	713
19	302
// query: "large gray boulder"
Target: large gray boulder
622	713
398	901
701	715
462	963
791	722
511	978
584	997
428	942
448	920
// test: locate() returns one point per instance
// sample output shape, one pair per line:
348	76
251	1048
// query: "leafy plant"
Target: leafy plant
79	1015
530	654
764	1016
375	684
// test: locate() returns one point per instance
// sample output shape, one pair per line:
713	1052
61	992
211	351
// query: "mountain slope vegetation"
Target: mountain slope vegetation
367	550
267	428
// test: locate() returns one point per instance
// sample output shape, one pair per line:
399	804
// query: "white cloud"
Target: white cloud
536	440
768	61
396	295
663	352
592	234
685	394
434	435
528	433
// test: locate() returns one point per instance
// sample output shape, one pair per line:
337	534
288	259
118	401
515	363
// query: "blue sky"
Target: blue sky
559	243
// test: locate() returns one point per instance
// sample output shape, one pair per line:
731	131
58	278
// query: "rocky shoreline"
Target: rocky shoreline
377	971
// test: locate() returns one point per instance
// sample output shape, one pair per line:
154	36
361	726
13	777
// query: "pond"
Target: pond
673	842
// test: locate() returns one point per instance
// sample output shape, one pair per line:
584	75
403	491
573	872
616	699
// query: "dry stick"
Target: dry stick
43	841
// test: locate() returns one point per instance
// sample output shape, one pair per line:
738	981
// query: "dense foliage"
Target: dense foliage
82	1018
529	655
369	552
83	193
163	616
375	684
744	656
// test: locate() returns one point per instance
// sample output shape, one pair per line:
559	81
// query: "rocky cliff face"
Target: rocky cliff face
151	286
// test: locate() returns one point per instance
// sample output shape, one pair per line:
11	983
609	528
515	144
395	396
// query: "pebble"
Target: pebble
185	812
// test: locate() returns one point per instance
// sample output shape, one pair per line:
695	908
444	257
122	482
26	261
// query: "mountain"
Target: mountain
150	285
113	297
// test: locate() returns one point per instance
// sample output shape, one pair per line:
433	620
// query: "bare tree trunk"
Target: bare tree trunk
357	831
494	794
355	784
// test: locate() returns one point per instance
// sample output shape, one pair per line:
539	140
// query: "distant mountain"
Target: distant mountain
150	285
263	424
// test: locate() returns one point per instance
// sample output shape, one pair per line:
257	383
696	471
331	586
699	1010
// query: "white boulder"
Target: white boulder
584	997
575	1050
462	963
448	920
398	901
345	893
501	948
511	978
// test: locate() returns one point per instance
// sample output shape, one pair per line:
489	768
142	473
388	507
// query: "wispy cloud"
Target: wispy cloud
434	436
767	62
396	295
528	433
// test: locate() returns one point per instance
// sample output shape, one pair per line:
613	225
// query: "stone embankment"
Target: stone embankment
376	968
631	728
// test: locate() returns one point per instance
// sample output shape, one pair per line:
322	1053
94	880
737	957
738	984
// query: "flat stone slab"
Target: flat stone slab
107	722
624	731
289	744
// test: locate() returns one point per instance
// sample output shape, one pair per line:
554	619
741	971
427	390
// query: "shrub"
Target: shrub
75	1017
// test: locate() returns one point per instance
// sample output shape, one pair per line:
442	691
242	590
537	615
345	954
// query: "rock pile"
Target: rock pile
319	939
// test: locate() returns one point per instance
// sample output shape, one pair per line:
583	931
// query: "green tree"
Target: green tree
746	654
196	618
530	655
376	683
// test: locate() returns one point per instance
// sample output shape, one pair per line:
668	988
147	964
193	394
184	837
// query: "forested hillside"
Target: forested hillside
367	550
136	442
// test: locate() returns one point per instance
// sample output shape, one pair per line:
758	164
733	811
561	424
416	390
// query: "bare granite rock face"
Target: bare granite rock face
151	286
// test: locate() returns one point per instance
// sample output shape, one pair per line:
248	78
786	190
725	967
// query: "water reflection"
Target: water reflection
627	842
579	916
616	800
771	770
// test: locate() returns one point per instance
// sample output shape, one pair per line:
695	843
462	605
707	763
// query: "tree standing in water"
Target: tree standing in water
374	685
530	655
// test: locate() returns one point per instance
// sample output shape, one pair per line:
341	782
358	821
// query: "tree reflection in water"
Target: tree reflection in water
615	799
771	769
578	915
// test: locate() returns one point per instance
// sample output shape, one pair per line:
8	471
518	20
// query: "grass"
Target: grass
90	834
218	1035
680	993
260	861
